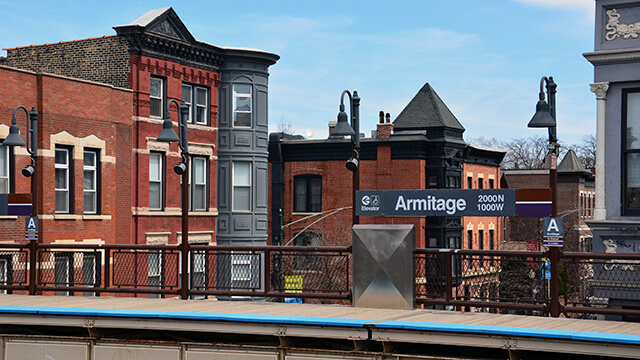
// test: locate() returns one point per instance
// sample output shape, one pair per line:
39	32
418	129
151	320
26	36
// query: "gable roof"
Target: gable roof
426	110
164	22
571	163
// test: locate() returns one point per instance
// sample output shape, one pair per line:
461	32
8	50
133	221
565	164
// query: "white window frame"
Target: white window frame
241	269
156	97
155	271
237	185
66	190
93	170
199	183
5	174
5	264
236	97
159	181
195	105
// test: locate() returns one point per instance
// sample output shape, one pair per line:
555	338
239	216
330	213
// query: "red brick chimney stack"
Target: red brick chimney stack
385	128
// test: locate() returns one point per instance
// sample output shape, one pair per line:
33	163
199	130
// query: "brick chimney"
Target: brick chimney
385	127
332	125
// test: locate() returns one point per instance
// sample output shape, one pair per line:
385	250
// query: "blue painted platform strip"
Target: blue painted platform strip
513	331
326	321
184	315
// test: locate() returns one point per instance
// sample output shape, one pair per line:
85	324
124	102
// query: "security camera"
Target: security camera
28	171
352	164
180	168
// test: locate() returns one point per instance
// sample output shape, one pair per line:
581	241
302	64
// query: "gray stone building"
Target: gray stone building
616	224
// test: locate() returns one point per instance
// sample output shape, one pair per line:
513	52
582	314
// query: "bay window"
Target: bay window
241	186
242	105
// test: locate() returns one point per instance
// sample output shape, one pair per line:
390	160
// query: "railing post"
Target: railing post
107	270
184	251
267	271
448	261
33	259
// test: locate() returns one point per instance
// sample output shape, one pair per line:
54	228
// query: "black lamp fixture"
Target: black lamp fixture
14	138
545	116
182	168
344	129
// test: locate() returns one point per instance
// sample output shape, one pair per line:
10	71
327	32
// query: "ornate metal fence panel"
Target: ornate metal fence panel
151	268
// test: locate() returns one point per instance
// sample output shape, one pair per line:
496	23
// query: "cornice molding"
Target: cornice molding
195	55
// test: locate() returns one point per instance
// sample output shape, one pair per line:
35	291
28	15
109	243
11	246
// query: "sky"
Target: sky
485	59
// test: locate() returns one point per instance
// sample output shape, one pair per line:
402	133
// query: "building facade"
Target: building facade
422	149
576	201
156	59
616	61
84	157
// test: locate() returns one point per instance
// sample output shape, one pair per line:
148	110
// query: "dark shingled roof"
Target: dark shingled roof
426	110
571	163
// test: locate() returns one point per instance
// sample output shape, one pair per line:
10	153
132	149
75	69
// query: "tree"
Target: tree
587	151
284	126
530	152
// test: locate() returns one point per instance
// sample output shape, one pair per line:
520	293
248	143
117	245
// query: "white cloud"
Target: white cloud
585	5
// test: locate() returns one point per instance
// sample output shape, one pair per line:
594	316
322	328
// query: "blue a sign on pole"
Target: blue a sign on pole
31	224
552	234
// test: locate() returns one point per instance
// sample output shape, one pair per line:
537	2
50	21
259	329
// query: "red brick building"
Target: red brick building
84	136
422	149
576	201
152	60
481	170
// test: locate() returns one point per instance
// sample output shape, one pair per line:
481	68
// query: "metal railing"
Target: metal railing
256	271
465	280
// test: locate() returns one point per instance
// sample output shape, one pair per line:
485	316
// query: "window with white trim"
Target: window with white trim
198	267
241	186
156	97
156	181
90	271
197	98
63	180
5	272
155	275
244	270
91	186
199	183
242	105
63	271
4	170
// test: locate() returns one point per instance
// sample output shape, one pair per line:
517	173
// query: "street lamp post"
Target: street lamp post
14	139
181	168
344	129
545	116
